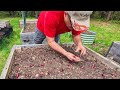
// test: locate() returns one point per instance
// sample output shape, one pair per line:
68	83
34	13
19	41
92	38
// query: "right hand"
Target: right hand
72	57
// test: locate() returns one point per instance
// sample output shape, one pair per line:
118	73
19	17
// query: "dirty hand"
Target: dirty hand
82	49
72	57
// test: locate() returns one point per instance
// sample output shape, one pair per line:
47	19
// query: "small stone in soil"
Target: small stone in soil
61	70
17	75
21	77
46	73
49	72
37	75
41	74
33	58
18	49
16	64
42	65
31	65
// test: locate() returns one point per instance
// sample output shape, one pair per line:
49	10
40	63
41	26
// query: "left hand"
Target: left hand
82	49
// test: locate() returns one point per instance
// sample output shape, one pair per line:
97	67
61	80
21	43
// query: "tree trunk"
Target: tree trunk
37	14
92	16
103	14
34	13
109	15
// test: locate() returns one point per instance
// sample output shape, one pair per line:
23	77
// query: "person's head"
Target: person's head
77	20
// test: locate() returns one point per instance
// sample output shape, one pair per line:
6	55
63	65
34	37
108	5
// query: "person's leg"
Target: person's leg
39	36
57	39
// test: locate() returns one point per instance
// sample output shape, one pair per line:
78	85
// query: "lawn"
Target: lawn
8	42
106	33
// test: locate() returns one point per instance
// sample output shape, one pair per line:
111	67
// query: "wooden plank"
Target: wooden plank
8	64
27	38
110	63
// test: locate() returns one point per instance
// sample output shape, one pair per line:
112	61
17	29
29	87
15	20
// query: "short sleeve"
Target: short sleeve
76	32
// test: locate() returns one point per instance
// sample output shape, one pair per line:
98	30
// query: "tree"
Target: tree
109	15
12	13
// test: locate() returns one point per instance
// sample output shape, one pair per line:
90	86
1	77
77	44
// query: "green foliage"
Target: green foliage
29	14
96	14
116	16
103	15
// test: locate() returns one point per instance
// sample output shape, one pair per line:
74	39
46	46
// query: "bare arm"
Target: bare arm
58	48
55	46
78	42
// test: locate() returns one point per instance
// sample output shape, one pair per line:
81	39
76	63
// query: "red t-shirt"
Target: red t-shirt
51	23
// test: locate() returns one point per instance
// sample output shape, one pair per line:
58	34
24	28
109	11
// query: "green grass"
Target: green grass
106	33
8	42
66	38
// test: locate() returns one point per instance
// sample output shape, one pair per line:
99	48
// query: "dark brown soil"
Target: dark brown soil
89	33
2	33
30	27
44	63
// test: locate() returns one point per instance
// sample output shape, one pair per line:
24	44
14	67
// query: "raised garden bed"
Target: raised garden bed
34	21
41	62
30	27
27	35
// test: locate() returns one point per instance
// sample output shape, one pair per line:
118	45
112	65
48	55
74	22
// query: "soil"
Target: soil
101	23
2	33
30	27
45	63
89	33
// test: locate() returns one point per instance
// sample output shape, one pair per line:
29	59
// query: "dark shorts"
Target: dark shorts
39	37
